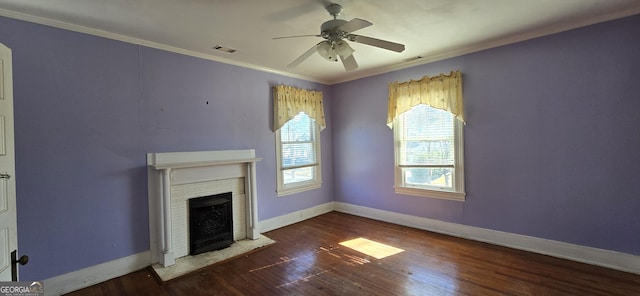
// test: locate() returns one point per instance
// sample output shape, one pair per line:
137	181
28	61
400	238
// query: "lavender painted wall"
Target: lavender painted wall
87	109
551	144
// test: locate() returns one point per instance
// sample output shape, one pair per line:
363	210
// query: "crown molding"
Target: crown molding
143	42
426	58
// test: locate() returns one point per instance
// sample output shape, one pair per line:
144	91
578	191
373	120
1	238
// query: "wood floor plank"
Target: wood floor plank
309	260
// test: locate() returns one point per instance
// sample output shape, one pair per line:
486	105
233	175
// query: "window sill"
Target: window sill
298	189
457	196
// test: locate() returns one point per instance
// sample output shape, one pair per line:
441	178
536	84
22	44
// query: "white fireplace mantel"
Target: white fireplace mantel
167	169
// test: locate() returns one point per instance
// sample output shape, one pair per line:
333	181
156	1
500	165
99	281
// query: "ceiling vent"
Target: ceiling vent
224	49
413	59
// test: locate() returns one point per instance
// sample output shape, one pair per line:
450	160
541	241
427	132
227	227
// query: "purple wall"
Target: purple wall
88	109
551	141
551	144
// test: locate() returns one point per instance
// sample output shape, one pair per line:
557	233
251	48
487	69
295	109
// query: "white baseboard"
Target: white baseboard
89	276
615	260
605	258
295	217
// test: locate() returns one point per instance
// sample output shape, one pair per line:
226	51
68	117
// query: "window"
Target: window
429	153
298	155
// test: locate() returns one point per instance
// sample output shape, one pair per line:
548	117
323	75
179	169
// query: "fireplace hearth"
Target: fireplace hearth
210	223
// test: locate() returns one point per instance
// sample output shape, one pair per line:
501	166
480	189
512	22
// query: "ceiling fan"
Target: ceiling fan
336	32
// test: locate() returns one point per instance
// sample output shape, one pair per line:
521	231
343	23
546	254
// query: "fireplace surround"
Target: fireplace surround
176	177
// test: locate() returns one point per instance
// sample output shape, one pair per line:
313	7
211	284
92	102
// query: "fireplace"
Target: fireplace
210	223
176	177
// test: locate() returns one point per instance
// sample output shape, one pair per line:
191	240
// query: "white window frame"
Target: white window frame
457	192
292	188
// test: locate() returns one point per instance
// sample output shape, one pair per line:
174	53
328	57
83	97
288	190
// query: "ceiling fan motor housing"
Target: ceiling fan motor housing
329	30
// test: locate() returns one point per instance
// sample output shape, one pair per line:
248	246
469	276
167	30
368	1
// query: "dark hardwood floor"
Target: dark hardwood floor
308	260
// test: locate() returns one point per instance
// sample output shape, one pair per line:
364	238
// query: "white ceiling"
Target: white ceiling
430	29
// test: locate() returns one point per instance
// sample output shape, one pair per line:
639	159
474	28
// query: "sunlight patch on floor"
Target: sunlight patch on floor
374	249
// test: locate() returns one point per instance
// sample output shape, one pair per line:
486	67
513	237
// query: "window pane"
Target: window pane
435	152
298	175
433	177
297	138
428	137
300	128
298	154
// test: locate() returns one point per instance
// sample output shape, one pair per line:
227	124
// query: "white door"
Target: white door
8	222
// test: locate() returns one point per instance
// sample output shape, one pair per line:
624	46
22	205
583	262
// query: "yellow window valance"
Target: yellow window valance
289	101
441	92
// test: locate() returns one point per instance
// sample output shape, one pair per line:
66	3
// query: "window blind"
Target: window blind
298	142
428	138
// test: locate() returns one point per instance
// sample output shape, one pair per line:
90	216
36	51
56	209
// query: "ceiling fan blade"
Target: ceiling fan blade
304	56
397	47
296	36
354	24
349	63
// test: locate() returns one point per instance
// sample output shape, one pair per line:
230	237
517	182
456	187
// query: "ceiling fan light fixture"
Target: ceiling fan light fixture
327	51
343	49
